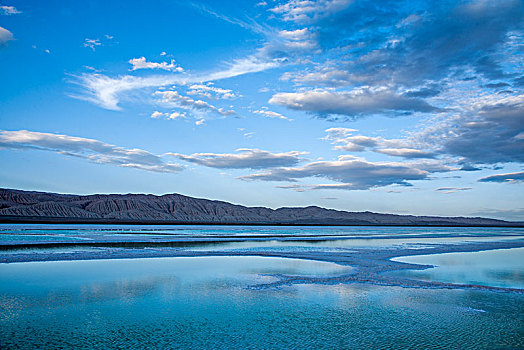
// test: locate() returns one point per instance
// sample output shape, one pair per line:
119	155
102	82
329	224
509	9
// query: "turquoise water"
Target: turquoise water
209	303
499	268
235	302
74	233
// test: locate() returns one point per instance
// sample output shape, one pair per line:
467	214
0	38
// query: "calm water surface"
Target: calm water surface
205	303
221	302
499	268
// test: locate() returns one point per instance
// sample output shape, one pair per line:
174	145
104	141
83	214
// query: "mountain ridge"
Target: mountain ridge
174	208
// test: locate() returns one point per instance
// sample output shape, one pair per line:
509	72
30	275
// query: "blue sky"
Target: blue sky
407	107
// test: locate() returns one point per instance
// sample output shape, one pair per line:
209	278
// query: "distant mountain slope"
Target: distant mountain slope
27	206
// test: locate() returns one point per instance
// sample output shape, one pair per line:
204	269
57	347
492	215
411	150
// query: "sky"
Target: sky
404	107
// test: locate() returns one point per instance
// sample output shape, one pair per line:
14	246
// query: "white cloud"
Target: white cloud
355	103
405	152
92	43
326	76
106	92
9	10
301	11
507	178
299	39
245	158
353	174
298	34
174	98
166	115
485	130
210	91
5	36
344	140
142	63
250	25
90	149
200	122
448	190
271	114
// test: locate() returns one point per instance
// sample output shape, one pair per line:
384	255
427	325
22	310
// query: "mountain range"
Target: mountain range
29	206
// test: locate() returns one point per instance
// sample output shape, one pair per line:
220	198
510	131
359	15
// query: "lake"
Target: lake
259	287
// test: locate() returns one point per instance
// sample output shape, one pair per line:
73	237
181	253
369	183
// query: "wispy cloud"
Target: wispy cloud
92	43
5	36
405	152
89	149
245	158
270	114
9	10
507	178
210	91
449	190
106	91
248	24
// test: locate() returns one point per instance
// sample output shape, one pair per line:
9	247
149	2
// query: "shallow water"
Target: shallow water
204	303
230	301
499	268
323	236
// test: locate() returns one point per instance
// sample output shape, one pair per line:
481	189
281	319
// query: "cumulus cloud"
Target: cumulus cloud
299	39
173	97
302	11
354	174
5	36
441	39
245	158
344	140
142	63
355	103
419	49
509	178
490	132
487	130
168	115
90	149
9	10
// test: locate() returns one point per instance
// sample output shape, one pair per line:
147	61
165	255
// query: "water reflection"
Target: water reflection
498	268
202	303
